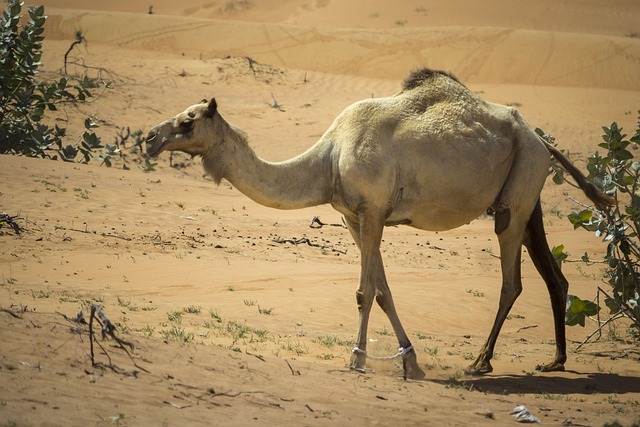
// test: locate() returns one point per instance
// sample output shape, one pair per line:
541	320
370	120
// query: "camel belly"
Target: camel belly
434	218
439	198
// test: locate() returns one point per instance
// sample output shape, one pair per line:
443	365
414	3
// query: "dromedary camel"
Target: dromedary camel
434	156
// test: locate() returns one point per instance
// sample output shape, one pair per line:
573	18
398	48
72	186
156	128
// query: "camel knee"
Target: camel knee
382	300
360	299
510	292
364	300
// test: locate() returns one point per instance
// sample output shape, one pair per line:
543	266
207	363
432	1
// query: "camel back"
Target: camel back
423	76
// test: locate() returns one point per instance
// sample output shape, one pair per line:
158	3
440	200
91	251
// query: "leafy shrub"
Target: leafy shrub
24	99
618	175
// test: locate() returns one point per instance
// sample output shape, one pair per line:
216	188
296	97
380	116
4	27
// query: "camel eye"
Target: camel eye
186	124
191	114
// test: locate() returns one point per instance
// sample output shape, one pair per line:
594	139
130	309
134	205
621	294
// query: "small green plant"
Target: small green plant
127	304
383	332
431	351
475	293
148	166
295	347
193	309
215	315
175	316
266	311
177	333
40	294
147	330
330	340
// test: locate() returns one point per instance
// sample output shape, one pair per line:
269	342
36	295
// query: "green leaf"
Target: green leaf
612	305
558	176
580	219
559	254
625	247
148	166
578	310
69	153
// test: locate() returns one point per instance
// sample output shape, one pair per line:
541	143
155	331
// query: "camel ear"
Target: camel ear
211	108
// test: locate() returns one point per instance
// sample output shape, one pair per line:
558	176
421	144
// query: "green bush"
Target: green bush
24	99
617	173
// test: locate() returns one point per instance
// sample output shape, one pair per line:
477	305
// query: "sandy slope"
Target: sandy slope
148	246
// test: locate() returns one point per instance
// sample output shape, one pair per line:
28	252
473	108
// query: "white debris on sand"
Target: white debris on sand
522	415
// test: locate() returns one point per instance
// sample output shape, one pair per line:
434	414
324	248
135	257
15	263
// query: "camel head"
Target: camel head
188	131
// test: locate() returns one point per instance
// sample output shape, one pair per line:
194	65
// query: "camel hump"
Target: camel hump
423	76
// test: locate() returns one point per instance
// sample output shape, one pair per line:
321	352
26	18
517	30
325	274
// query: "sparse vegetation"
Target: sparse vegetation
265	311
475	293
127	304
193	309
617	173
215	315
330	341
26	98
177	333
175	316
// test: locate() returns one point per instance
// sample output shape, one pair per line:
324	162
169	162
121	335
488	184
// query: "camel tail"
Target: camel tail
597	196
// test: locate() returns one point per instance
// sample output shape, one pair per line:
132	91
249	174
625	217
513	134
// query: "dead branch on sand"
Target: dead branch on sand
316	223
87	231
303	240
7	220
108	330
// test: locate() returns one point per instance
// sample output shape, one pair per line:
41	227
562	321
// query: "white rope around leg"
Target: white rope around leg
401	352
356	349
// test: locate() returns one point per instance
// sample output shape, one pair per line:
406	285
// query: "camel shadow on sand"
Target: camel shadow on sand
578	383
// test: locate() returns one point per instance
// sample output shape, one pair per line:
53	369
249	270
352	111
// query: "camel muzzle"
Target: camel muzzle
154	145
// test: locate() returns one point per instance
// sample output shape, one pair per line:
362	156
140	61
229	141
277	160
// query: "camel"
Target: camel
434	156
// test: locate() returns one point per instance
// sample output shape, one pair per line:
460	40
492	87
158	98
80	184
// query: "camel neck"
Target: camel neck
296	183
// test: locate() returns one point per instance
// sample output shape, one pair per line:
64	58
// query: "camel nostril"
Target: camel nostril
151	136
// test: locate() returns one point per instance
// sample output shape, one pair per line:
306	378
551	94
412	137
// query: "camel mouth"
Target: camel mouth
153	146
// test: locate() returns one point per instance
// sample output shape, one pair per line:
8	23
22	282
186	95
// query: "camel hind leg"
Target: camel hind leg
510	254
536	243
514	208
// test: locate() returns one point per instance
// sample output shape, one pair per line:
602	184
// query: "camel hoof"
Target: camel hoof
414	373
410	367
358	361
551	367
475	370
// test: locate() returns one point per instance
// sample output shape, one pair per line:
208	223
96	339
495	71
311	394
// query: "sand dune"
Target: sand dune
268	324
476	54
616	18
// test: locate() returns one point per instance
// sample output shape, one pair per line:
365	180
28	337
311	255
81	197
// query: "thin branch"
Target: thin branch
86	231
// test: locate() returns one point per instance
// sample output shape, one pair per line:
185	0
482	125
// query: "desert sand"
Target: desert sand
241	314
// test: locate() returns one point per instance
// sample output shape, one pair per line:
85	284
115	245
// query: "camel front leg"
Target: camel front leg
367	234
366	289
385	301
373	282
364	299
